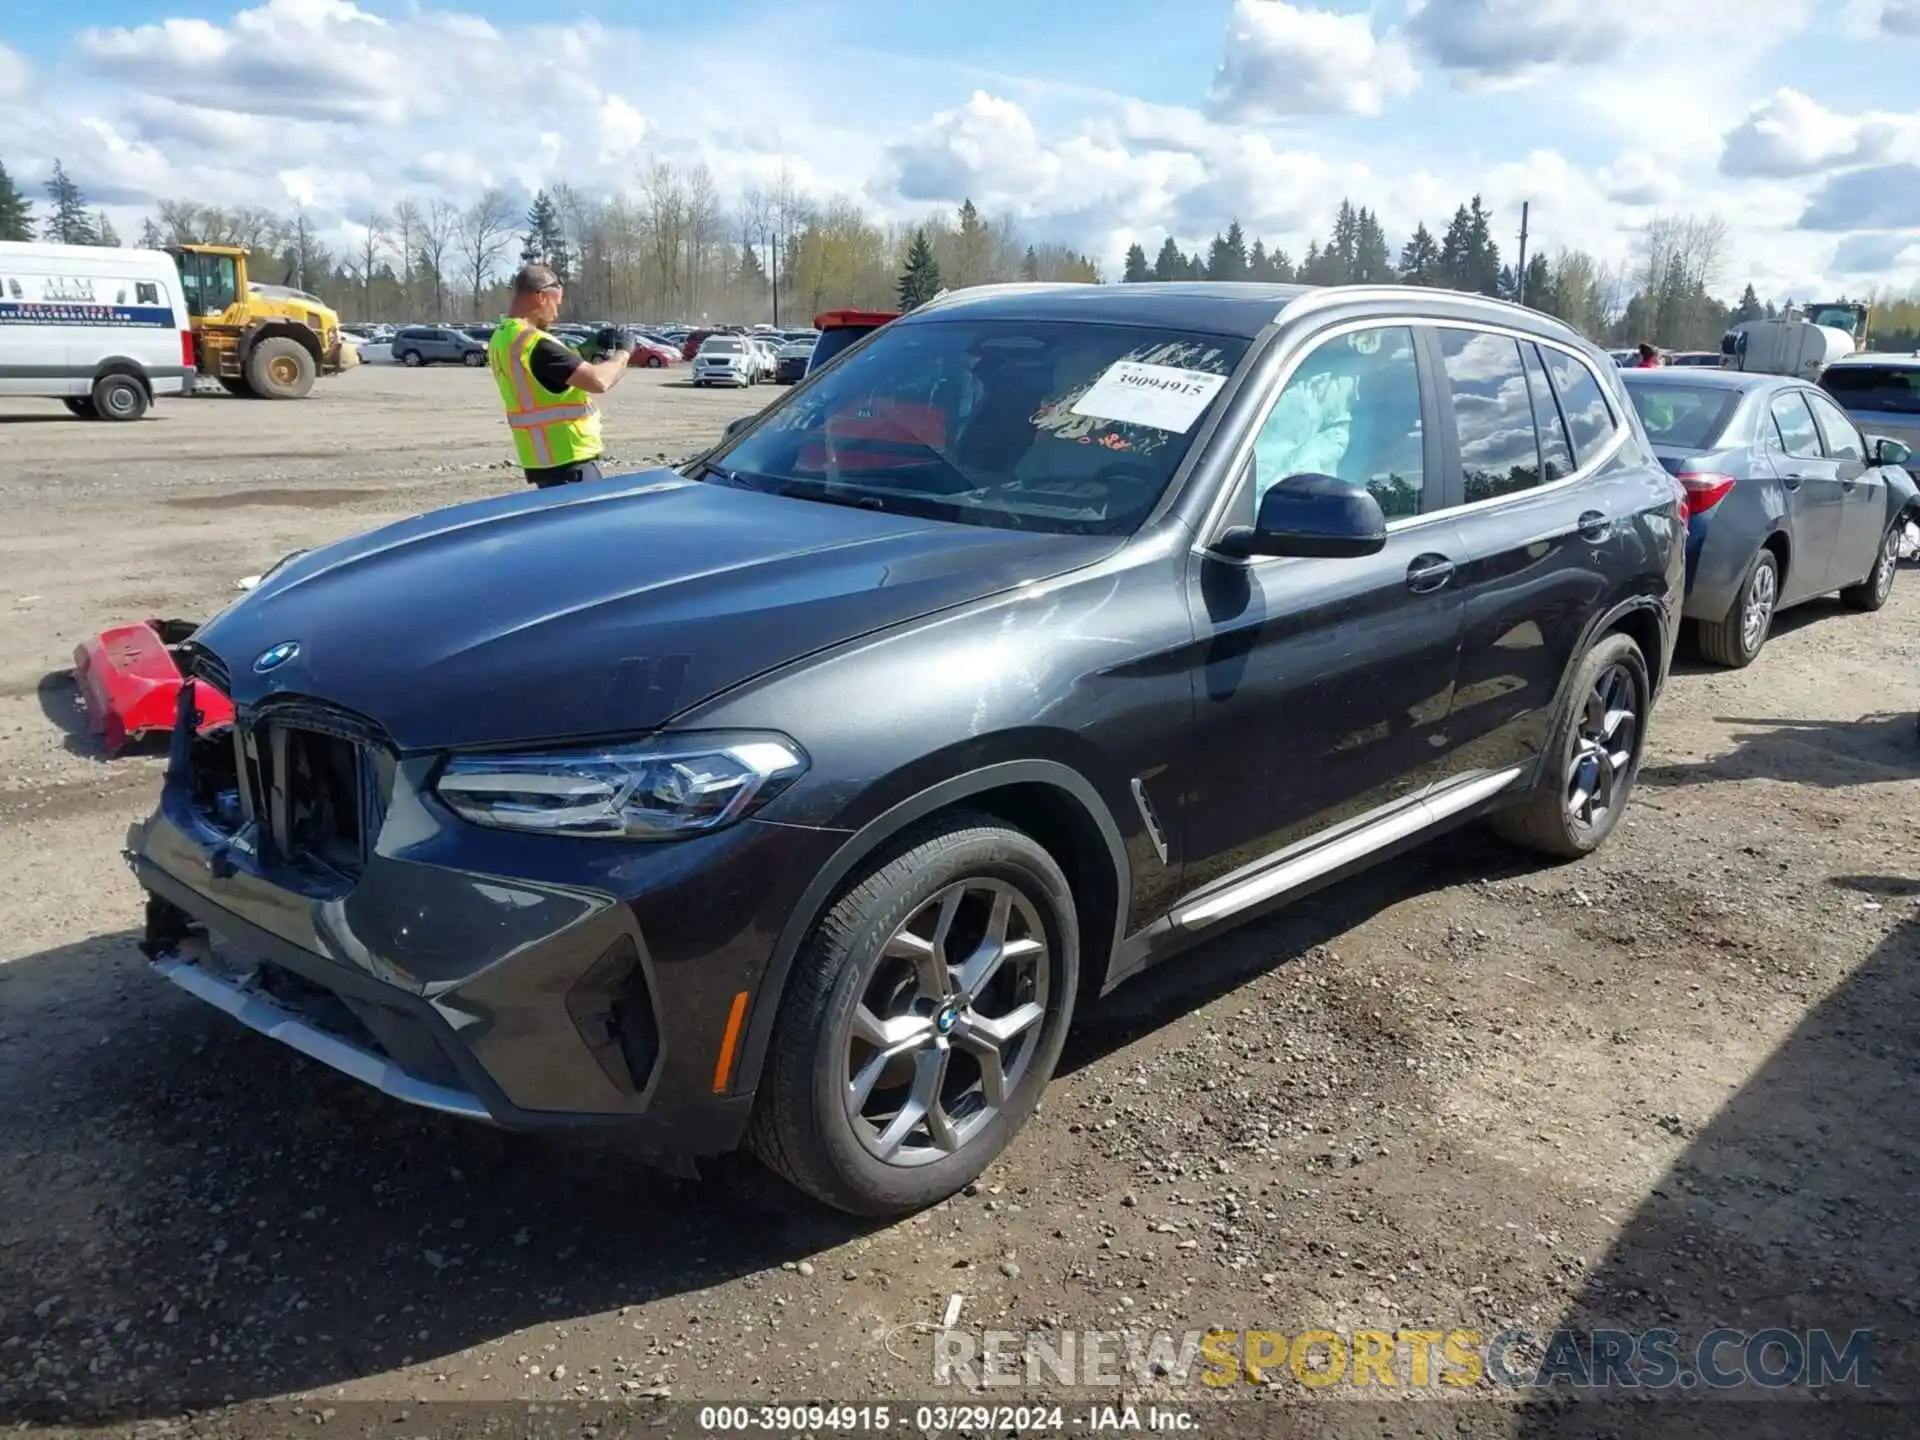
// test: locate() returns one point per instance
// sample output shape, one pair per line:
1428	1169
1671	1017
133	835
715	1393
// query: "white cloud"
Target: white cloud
1876	253
1898	18
1879	197
1284	59
14	76
1793	134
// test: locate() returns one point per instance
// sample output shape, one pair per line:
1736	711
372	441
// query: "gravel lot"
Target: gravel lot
1673	1084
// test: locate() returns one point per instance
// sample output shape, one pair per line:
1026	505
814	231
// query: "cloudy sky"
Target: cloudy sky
1096	121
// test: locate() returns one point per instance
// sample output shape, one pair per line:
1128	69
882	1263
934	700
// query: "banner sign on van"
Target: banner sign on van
77	300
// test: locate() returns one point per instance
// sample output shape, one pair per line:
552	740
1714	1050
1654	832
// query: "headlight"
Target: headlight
654	790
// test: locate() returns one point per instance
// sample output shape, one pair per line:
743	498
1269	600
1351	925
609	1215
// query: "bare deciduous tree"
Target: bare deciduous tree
486	234
408	224
439	227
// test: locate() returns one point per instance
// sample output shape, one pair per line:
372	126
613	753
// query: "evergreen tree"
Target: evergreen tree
1483	263
751	276
1540	293
1749	307
1169	264
1372	262
920	281
1456	252
150	236
69	224
546	242
16	211
1136	270
972	249
1420	258
104	233
1196	267
1342	254
1281	265
1227	259
1030	266
1258	266
1505	285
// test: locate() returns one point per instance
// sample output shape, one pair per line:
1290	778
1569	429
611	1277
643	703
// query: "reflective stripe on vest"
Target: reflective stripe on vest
559	430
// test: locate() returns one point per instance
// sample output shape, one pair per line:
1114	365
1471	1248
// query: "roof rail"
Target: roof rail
1321	297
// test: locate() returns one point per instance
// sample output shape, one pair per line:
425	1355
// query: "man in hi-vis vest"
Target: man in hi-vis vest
547	389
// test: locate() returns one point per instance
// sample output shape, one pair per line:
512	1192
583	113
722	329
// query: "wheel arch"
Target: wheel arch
1644	618
279	329
1050	801
123	365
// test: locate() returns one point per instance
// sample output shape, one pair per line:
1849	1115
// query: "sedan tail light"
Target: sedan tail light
1705	489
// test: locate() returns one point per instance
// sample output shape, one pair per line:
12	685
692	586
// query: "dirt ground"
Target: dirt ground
1672	1085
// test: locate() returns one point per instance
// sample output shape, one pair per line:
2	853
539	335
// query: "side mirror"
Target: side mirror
1313	515
735	426
1888	451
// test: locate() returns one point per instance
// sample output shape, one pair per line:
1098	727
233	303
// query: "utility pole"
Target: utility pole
1520	269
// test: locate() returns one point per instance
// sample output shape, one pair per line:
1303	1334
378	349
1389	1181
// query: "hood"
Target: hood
599	610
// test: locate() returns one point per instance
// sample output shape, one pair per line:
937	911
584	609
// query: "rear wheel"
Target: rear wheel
1872	592
654	362
280	369
410	359
119	397
1593	759
474	359
81	406
1735	641
925	1016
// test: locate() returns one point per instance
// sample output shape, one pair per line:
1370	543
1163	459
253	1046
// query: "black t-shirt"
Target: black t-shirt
552	363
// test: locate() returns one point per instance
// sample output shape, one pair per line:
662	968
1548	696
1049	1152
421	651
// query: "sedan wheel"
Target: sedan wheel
1873	592
1736	640
925	1015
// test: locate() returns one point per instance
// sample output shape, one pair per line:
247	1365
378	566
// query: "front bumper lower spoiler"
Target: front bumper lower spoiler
188	965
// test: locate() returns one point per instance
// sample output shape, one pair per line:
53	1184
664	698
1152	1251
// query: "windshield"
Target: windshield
1684	417
720	347
1874	387
1044	425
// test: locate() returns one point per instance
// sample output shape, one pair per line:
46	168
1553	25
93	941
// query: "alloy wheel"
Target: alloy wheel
1763	592
948	1021
1883	569
1603	741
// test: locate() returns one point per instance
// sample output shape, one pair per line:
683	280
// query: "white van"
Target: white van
103	329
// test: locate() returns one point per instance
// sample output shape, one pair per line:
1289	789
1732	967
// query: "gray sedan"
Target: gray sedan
1788	500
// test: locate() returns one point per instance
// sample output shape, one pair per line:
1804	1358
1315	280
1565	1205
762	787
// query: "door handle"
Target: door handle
1792	481
1428	573
1594	526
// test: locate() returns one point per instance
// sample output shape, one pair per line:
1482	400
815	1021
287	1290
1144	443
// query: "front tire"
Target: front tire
411	359
1871	593
280	369
654	362
1593	759
474	359
1736	641
925	1015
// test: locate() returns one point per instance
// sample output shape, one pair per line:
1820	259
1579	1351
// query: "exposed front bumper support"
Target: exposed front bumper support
186	964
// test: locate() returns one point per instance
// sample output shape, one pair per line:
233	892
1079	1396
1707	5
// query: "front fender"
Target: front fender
862	844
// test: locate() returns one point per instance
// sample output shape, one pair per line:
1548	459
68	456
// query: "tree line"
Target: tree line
676	249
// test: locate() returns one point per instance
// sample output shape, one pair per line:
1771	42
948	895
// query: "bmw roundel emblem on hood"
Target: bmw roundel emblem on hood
275	656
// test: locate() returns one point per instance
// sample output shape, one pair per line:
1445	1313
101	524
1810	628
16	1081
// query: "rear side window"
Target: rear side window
1797	433
1874	387
1556	451
1843	441
145	292
1492	413
1590	422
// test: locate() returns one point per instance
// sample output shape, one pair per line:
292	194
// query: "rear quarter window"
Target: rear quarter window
1874	387
1590	420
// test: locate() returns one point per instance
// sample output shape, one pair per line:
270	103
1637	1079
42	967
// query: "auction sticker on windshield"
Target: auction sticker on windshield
1163	396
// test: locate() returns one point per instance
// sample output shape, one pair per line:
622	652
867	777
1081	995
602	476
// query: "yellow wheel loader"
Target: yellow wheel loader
256	340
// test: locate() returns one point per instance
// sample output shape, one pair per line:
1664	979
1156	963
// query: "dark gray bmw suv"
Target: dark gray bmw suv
795	797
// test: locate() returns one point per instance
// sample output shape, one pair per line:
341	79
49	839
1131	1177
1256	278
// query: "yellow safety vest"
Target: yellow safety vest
549	428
